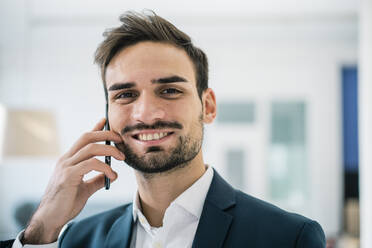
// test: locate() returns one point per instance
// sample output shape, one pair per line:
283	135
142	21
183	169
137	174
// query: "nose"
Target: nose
147	109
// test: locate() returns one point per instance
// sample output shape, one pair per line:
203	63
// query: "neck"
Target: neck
158	191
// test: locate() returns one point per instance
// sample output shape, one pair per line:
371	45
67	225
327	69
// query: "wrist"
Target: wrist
37	233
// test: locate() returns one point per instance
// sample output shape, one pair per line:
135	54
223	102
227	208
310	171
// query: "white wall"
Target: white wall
261	51
365	122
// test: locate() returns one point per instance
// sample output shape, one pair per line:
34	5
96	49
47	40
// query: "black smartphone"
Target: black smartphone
107	158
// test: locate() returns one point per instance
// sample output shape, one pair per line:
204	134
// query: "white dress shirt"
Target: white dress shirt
180	220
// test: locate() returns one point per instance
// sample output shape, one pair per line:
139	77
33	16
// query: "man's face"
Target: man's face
154	105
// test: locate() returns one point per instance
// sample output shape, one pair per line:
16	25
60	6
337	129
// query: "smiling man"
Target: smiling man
156	85
155	106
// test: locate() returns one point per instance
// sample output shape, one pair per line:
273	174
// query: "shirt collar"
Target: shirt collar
192	199
136	205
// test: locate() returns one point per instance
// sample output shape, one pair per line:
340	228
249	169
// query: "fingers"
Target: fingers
96	183
100	125
96	135
93	150
93	137
93	164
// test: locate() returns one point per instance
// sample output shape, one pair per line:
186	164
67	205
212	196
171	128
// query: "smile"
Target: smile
151	136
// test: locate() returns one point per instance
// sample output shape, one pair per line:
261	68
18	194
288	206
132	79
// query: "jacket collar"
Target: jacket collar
220	193
121	231
215	221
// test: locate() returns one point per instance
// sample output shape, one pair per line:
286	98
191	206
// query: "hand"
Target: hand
67	192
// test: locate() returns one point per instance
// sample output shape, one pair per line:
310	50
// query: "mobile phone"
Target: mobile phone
107	158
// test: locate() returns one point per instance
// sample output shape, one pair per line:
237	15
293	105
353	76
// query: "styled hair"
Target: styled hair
137	27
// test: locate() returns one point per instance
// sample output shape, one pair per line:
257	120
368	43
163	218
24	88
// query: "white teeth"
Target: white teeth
155	136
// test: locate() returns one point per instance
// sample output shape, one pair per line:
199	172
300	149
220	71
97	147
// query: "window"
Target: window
287	153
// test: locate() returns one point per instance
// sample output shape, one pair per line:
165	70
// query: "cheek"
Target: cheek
188	113
118	118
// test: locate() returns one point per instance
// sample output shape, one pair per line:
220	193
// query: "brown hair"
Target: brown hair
137	27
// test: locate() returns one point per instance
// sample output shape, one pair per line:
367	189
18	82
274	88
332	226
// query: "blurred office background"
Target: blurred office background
286	76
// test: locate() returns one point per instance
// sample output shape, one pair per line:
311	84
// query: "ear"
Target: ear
209	106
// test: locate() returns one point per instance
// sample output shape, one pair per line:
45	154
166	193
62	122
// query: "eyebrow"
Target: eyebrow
120	86
167	80
164	80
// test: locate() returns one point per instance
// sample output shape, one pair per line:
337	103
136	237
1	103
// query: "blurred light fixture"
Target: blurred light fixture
27	133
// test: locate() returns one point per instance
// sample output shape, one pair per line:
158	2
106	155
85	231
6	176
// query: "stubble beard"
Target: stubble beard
157	160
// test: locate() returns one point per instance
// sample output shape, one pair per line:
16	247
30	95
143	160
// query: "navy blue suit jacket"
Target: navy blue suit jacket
230	218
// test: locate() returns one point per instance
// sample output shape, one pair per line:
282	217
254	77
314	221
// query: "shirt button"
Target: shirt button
157	244
142	220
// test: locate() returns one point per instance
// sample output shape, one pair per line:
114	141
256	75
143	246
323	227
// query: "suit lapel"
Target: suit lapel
213	227
121	231
214	221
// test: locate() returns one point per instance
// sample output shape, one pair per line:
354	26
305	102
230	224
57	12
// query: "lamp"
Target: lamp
27	133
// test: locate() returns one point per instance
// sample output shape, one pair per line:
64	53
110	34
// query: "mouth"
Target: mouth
152	137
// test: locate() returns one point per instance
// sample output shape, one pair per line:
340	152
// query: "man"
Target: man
156	85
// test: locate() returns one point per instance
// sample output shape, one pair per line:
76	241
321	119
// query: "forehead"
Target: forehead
145	61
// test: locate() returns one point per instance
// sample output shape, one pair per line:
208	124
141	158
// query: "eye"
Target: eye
127	94
170	91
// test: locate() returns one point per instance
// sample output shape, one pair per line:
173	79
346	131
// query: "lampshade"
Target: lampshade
27	133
